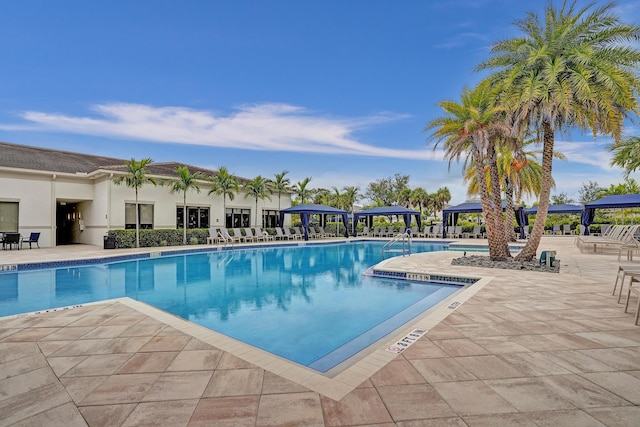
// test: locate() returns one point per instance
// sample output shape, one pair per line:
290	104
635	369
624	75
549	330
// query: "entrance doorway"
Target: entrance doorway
66	222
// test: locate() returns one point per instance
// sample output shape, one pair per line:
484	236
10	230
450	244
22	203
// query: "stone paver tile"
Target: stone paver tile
171	331
457	318
128	388
634	373
529	394
567	418
275	384
66	415
472	398
92	320
443	331
30	334
460	347
489	366
68	333
616	417
195	360
397	372
80	387
361	406
103	331
624	359
125	319
235	382
436	422
49	347
301	409
81	347
38	400
495	420
178	385
620	383
442	370
61	365
174	413
106	415
538	342
156	361
101	364
16	351
143	329
123	345
21	366
166	343
608	339
26	382
226	412
499	344
414	402
196	344
576	361
424	349
229	361
533	364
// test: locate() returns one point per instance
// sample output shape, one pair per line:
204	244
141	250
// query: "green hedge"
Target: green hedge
157	238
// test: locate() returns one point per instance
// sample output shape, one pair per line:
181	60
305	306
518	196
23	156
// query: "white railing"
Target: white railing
391	247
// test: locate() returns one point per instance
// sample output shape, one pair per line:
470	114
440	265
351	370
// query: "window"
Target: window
236	217
269	218
145	212
8	216
197	217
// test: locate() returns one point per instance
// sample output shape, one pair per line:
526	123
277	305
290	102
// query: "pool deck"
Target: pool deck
524	348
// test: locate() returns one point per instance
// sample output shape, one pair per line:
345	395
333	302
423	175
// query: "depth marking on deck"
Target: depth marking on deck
406	341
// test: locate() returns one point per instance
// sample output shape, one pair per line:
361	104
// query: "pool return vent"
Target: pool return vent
400	244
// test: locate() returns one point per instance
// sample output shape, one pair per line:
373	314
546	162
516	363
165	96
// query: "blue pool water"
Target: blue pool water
309	304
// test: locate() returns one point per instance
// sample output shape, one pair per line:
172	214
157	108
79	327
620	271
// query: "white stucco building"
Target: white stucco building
71	198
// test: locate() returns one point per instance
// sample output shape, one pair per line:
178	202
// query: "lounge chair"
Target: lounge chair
249	236
457	230
265	235
280	234
477	233
311	232
287	232
436	231
376	232
566	229
298	233
365	231
228	238
325	234
33	238
390	231
213	237
414	232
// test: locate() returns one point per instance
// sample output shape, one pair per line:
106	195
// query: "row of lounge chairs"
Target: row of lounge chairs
619	237
427	232
222	235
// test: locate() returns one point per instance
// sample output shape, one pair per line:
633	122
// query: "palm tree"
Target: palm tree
302	191
226	184
351	196
577	68
280	184
626	154
186	181
258	188
137	176
469	130
338	198
419	198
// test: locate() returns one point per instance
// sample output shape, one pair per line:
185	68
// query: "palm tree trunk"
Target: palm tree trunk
529	251
256	223
184	219
137	222
501	246
484	198
509	212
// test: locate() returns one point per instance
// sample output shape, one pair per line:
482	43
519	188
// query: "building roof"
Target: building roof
49	160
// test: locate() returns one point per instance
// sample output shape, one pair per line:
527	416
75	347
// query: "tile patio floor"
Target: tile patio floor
528	349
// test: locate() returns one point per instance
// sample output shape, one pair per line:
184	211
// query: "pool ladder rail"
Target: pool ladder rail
391	247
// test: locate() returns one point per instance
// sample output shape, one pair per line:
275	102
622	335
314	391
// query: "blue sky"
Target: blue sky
339	91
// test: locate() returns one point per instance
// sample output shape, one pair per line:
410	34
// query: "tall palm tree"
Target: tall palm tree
302	191
186	182
338	198
576	68
468	130
280	184
626	154
137	176
226	184
258	188
419	198
351	196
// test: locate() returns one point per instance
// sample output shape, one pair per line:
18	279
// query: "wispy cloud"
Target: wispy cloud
271	127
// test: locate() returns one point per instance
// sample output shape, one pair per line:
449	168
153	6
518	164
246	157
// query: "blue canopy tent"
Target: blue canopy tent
307	210
553	209
609	202
389	210
450	214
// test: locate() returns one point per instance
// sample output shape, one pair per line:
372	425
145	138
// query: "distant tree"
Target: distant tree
302	191
258	188
404	197
387	189
629	186
322	196
137	176
561	199
351	196
280	185
419	198
626	154
186	181
589	192
225	184
441	198
337	198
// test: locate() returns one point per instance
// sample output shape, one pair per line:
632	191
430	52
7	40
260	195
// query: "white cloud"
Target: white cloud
271	127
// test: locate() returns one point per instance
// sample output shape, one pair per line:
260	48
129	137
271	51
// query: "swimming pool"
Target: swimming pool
309	304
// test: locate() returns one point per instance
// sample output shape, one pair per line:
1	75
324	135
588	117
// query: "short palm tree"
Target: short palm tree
351	196
280	185
626	154
578	67
225	184
137	176
419	197
468	130
302	191
258	188
186	182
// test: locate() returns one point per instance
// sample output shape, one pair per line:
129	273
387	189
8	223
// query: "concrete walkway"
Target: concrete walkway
527	349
